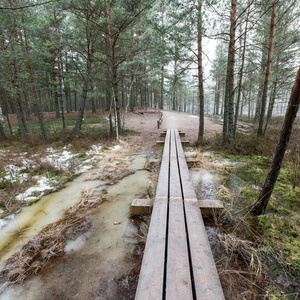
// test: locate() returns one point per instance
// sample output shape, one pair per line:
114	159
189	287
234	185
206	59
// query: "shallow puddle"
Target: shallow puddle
95	261
20	228
206	184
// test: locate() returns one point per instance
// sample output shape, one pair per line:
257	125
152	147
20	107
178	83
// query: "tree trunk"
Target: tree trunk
2	133
67	87
268	71
241	77
272	97
33	93
200	75
93	102
114	78
229	93
61	100
85	87
290	116
261	85
161	102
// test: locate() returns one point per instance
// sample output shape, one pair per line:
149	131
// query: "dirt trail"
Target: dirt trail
145	122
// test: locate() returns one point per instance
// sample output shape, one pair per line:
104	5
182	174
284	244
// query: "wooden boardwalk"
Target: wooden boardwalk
178	262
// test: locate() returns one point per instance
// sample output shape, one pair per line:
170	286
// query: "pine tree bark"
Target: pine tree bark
241	77
229	93
268	71
33	93
291	113
2	133
200	75
272	97
59	67
113	71
162	75
85	87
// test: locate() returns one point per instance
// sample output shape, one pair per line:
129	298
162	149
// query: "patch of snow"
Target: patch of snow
28	163
5	221
117	147
43	185
95	149
191	116
51	150
14	173
59	160
83	169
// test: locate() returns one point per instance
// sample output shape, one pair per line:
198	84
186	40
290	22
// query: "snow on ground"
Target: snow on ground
5	221
95	149
116	147
18	170
35	192
60	160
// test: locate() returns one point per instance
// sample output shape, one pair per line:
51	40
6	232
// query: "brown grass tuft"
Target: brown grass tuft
49	243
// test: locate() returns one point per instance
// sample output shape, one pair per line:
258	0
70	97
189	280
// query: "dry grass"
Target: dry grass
115	167
49	243
208	163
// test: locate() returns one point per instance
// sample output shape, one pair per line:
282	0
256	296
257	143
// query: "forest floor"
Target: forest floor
257	258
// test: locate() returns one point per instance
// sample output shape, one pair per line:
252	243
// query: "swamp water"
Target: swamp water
96	260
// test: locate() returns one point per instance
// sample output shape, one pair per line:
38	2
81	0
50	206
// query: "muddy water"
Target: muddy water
23	226
206	184
95	261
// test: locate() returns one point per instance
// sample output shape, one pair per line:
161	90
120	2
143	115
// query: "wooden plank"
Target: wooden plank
209	208
185	143
163	179
206	280
187	188
178	280
175	186
160	143
141	207
151	280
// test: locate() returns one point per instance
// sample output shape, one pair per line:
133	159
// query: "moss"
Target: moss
282	233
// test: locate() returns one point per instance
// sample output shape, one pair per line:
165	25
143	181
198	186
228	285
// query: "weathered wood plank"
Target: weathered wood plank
160	143
175	186
211	208
141	207
178	280
163	134
163	180
151	280
206	280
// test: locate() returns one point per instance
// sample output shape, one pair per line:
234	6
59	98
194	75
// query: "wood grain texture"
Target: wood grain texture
206	278
151	280
178	281
163	179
